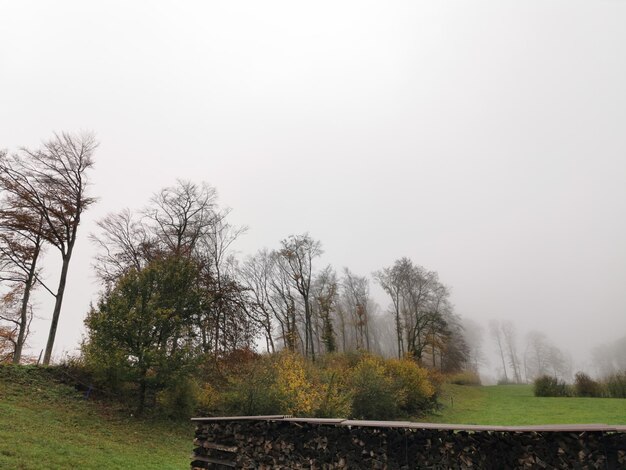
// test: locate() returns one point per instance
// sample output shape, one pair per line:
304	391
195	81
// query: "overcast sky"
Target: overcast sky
485	140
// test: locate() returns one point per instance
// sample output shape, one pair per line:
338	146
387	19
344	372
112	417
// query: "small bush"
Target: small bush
373	391
585	386
411	386
464	378
295	392
179	399
250	391
547	386
616	385
335	397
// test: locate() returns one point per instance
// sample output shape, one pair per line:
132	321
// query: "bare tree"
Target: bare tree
297	253
496	333
326	289
21	240
393	280
355	291
124	242
52	182
505	336
473	333
256	274
182	214
509	336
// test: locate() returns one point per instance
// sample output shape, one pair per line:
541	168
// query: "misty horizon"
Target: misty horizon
484	142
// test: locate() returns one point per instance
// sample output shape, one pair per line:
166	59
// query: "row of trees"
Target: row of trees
538	358
42	197
173	293
176	296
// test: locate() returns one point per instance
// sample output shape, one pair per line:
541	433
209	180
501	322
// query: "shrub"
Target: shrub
373	391
547	386
411	386
250	391
464	378
335	398
296	394
585	386
616	385
180	398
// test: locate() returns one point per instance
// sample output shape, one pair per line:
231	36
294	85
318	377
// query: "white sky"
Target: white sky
486	140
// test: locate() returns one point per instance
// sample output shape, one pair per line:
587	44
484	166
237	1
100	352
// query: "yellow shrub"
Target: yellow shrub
297	395
412	386
373	391
208	399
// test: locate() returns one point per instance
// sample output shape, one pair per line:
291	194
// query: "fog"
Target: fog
484	140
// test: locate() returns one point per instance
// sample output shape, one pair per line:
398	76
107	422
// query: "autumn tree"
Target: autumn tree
183	220
21	242
421	309
51	183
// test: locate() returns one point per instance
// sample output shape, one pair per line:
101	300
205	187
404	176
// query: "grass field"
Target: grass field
44	424
47	425
516	405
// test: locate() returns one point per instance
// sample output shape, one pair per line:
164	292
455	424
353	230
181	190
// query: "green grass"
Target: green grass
45	424
515	405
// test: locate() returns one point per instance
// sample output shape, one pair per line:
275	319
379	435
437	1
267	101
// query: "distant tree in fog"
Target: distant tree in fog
610	358
355	296
424	322
473	334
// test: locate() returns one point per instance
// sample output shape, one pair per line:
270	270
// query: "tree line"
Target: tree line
173	292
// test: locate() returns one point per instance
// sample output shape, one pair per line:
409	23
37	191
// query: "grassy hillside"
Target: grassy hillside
516	405
44	423
47	424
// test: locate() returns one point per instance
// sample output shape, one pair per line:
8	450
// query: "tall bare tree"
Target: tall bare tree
51	181
393	280
297	253
355	290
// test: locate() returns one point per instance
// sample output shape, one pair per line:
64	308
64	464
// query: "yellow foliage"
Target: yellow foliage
208	398
297	394
412	384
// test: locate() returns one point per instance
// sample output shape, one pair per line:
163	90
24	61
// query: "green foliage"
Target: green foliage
249	390
585	386
180	398
134	342
547	386
616	385
464	378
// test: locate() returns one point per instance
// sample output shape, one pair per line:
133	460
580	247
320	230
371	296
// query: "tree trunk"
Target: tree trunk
57	304
21	338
